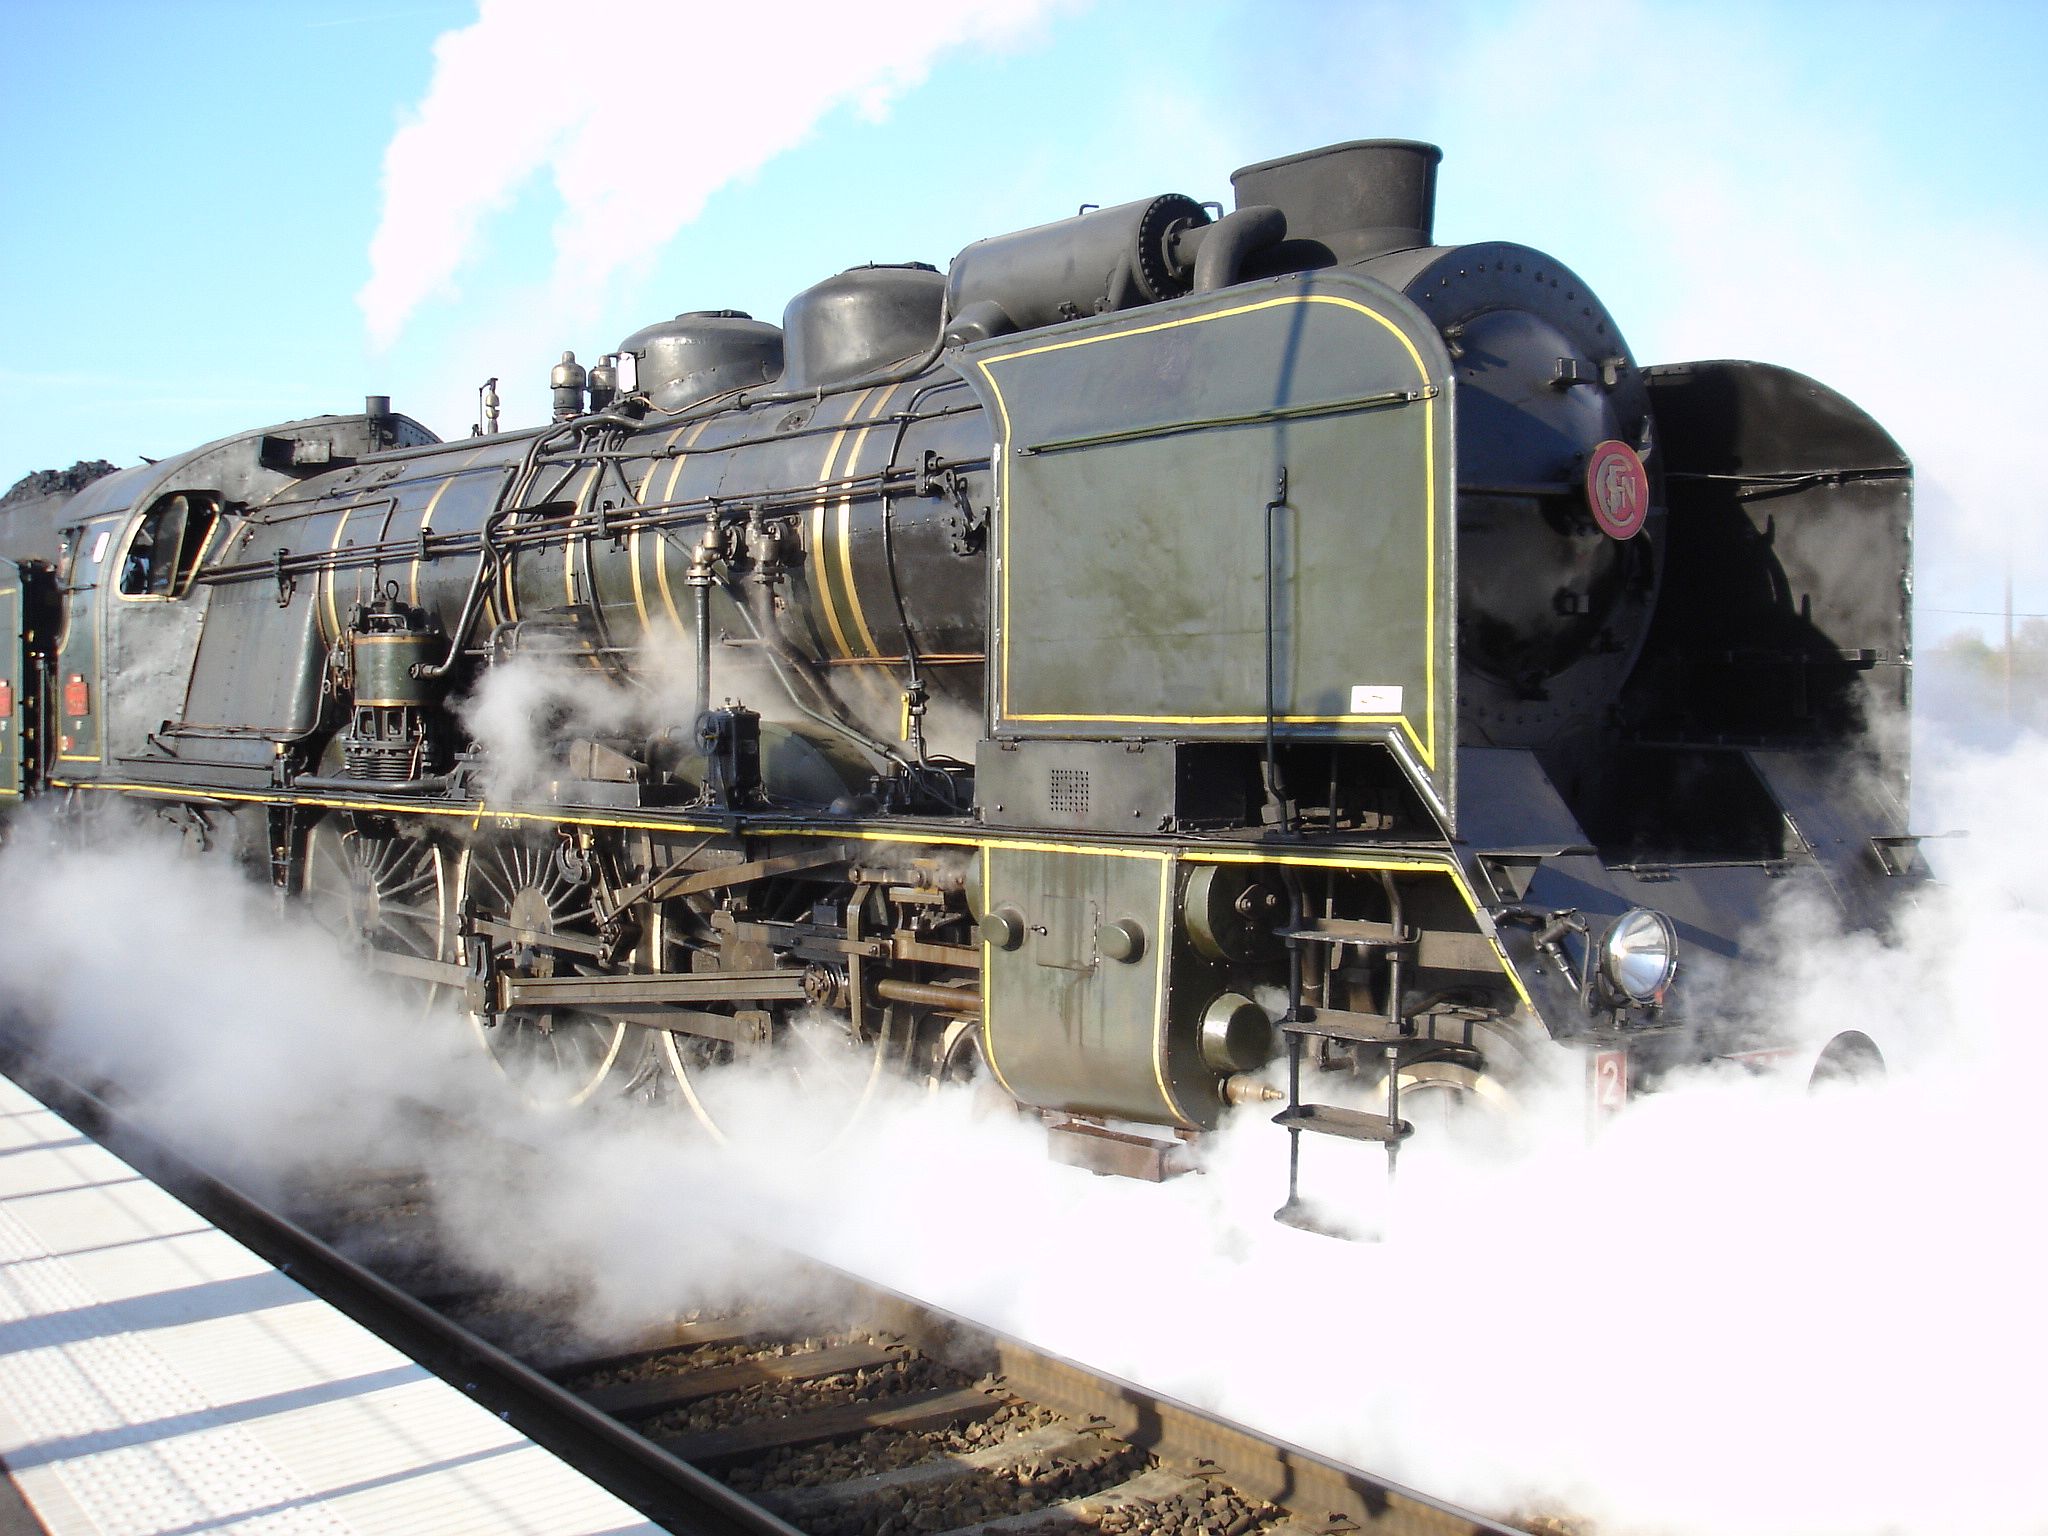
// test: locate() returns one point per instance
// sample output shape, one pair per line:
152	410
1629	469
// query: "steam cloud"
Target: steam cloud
1740	1307
524	711
683	98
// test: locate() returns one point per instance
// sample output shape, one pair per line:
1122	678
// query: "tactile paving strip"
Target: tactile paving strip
159	1379
129	1439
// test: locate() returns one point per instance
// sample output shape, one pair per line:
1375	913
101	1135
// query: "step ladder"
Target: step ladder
1302	1022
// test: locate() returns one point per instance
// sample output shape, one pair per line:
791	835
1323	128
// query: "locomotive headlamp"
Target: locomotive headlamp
1639	956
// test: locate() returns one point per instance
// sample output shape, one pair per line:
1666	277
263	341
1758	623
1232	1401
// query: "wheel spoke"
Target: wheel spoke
424	916
552	1057
333	863
425	946
834	1074
388	889
347	883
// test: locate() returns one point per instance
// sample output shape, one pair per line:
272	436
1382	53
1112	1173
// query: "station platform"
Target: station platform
157	1378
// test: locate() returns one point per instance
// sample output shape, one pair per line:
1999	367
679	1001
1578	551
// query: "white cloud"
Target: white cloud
637	120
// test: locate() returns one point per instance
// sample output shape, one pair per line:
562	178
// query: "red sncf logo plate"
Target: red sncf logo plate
1617	489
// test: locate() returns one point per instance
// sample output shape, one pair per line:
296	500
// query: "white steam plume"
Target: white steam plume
1740	1308
525	712
174	977
639	116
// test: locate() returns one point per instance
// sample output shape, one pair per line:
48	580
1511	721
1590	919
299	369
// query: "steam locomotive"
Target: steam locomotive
1165	642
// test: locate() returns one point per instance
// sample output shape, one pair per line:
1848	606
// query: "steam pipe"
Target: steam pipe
1222	248
703	649
926	994
472	603
430	784
487	557
610	418
781	658
896	373
709	546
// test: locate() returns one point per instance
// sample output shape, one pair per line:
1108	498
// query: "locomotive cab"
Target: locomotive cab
167	544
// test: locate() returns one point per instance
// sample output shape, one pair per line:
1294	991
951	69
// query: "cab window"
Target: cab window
165	549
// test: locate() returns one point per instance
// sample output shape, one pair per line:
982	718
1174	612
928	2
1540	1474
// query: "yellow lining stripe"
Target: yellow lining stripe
633	541
822	581
333	576
1425	744
1421	862
639	596
1429	408
988	1039
585	500
426	522
1159	1011
853	604
1442	863
668	597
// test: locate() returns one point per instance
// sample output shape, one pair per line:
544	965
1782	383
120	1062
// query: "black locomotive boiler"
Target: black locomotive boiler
1159	643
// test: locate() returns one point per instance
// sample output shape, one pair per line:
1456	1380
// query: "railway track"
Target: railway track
862	1413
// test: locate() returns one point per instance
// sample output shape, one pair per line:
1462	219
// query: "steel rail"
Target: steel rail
1308	1484
1312	1486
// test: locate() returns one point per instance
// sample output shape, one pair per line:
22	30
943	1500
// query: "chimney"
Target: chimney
1360	199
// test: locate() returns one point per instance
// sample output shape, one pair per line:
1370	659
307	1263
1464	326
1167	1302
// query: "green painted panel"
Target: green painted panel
1139	452
1068	1027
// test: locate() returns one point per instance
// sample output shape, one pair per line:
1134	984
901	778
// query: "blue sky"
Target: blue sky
223	214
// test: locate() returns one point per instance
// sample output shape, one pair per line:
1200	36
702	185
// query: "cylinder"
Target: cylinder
383	667
1112	258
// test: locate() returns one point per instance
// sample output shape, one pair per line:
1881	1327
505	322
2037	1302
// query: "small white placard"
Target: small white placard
1376	698
99	545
